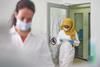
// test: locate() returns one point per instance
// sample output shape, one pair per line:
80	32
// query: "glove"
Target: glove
77	42
71	41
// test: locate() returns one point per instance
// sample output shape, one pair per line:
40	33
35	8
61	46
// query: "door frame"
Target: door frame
53	5
75	6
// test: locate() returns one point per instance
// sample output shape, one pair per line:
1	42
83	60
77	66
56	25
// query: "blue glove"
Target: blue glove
71	41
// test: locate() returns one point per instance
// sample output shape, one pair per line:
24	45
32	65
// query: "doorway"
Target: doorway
80	13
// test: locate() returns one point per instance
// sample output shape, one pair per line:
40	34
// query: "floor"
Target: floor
76	62
79	61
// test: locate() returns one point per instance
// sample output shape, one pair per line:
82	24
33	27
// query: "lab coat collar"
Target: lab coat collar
13	31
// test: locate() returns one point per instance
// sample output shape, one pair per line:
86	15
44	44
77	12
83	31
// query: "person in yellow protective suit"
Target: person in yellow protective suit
67	39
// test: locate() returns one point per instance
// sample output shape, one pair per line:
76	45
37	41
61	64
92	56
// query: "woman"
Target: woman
68	39
32	49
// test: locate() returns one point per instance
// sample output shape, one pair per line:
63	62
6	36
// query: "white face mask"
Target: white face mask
23	25
65	29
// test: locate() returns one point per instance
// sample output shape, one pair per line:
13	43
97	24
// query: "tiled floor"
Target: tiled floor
79	61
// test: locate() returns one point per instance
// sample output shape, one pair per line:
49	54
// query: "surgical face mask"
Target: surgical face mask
23	26
65	29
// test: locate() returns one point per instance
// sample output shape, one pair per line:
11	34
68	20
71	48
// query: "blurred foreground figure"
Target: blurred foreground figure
21	47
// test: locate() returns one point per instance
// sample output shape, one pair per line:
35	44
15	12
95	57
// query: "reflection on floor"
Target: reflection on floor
79	61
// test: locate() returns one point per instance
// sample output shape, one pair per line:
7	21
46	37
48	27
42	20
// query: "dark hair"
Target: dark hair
20	5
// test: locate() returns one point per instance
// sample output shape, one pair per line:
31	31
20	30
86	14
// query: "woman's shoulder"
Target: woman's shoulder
39	36
12	30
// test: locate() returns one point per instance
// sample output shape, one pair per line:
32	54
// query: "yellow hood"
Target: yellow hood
70	23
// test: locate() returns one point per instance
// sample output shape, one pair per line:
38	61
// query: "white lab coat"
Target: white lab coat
66	51
34	52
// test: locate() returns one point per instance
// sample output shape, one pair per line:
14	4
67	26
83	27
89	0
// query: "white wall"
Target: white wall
40	17
76	1
95	26
56	15
6	10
